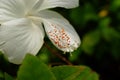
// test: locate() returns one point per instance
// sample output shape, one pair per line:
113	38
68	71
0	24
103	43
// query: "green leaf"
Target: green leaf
1	76
115	5
104	23
108	32
90	40
33	69
74	73
8	77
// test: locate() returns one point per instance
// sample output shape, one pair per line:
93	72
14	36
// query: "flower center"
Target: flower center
33	18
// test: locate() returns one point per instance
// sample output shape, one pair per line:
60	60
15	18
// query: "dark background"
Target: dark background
98	25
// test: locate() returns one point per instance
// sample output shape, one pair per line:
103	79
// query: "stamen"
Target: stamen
59	37
62	39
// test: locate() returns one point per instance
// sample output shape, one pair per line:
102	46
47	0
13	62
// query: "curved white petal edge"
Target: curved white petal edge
21	29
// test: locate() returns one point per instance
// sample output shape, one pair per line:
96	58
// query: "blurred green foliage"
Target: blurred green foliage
98	25
8	77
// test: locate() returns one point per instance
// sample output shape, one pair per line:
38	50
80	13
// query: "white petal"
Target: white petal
60	31
32	5
59	3
11	9
19	37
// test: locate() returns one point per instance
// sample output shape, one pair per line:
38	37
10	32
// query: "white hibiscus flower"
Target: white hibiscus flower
21	29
